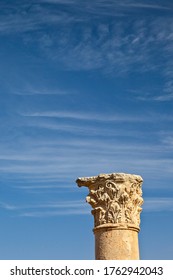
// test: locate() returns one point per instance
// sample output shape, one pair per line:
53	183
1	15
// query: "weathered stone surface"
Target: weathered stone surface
116	200
116	244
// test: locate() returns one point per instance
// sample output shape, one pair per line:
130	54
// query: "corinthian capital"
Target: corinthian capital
116	199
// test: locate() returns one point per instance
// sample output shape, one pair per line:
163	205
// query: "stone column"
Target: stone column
116	200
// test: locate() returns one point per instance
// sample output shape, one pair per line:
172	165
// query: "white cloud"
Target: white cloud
167	139
88	116
79	207
41	91
50	166
116	47
103	6
148	5
55	213
26	17
7	206
158	204
59	208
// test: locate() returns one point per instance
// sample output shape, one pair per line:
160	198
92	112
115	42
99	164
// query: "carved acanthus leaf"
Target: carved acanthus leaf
115	198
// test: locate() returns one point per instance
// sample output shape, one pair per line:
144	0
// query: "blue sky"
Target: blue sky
86	87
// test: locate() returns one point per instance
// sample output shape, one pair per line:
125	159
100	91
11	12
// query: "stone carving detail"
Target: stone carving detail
115	198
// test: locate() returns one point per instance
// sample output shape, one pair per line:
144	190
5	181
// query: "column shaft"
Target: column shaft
116	244
116	200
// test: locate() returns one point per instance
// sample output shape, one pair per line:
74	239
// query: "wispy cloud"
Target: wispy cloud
168	140
55	165
55	213
79	207
49	154
7	206
158	204
142	5
41	91
91	116
114	47
157	94
24	17
101	6
84	116
59	208
109	48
